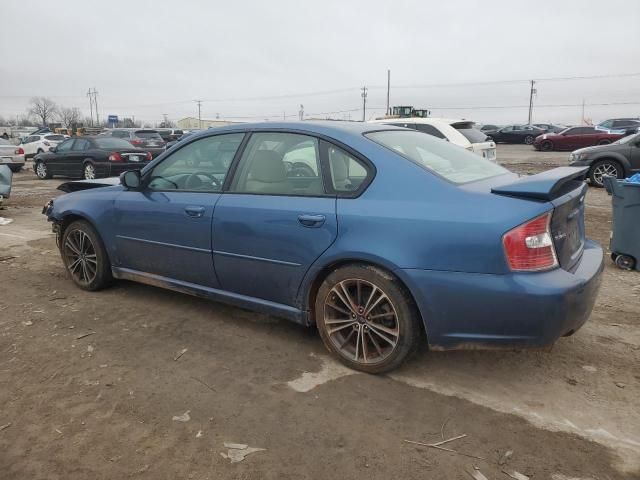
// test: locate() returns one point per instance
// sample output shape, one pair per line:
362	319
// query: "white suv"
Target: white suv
40	142
458	132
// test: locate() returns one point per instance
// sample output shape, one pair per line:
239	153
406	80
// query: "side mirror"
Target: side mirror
131	179
53	149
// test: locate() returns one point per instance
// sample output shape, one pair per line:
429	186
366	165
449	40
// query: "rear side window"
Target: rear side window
347	173
449	161
429	129
54	138
120	134
80	144
472	134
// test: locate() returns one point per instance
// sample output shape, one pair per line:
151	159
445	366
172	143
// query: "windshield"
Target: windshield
449	161
109	143
628	138
472	134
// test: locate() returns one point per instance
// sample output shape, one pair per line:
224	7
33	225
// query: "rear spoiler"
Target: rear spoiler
77	185
544	186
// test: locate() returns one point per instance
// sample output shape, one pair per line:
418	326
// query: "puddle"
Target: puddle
330	371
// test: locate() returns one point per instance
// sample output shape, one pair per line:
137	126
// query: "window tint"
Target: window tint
607	124
446	160
109	143
430	129
571	131
80	144
54	138
472	134
586	130
65	146
198	166
120	134
347	173
147	134
280	164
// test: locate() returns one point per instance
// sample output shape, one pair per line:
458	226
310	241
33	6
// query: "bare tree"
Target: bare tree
69	116
43	109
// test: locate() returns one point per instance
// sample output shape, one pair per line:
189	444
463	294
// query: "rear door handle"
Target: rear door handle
194	211
313	221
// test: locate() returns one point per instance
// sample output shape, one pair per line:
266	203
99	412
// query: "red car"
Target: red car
573	138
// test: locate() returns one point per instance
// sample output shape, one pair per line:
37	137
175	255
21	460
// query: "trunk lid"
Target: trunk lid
565	189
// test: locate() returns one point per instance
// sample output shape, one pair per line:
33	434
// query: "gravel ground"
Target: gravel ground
103	405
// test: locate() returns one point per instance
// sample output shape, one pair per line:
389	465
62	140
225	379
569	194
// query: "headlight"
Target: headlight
576	157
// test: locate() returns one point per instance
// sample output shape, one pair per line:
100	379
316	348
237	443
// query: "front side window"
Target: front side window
607	124
65	146
347	173
80	144
449	161
280	164
198	166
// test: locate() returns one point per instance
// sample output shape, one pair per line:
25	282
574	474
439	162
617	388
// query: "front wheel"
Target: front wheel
546	146
89	171
367	319
85	257
604	168
529	139
625	262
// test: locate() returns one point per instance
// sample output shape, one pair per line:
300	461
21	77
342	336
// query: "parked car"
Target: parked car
6	177
39	143
458	132
484	128
619	159
169	134
550	127
149	140
182	137
89	158
515	134
396	237
574	137
11	155
622	125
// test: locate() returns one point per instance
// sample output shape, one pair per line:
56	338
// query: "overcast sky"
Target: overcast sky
147	58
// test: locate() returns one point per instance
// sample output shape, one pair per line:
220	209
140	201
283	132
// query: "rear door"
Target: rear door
276	218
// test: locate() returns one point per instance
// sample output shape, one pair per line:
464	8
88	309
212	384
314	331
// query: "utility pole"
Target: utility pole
388	88
165	119
582	122
532	92
90	105
199	102
364	103
95	101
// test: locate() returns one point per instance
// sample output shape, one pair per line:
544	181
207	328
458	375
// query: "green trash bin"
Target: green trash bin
625	233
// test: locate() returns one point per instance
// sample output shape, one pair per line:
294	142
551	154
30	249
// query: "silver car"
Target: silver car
11	155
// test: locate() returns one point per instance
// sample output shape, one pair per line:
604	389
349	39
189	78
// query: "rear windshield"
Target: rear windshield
449	161
110	143
472	134
147	134
55	138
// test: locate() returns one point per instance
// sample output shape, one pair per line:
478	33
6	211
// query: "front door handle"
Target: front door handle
194	211
312	221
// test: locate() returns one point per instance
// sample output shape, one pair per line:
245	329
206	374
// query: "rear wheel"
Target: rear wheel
366	318
604	168
85	257
625	262
42	171
89	171
529	139
546	146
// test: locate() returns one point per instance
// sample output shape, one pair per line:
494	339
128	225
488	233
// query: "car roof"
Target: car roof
428	120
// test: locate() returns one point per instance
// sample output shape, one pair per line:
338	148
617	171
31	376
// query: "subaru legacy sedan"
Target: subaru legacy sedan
381	237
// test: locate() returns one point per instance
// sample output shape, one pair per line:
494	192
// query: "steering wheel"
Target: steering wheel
300	169
193	181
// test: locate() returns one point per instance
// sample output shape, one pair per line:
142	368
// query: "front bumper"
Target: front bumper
518	310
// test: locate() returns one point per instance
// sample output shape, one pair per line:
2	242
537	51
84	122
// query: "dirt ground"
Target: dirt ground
90	383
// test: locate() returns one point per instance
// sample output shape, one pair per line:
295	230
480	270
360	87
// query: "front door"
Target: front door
275	220
164	228
59	161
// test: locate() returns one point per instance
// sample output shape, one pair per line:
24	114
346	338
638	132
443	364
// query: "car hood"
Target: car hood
77	185
596	148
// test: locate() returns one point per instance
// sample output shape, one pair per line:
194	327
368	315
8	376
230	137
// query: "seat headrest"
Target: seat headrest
339	168
268	167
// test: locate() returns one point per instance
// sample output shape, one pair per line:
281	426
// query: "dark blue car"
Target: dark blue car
381	237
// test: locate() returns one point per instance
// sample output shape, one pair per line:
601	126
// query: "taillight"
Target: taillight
149	156
135	141
19	151
115	157
529	247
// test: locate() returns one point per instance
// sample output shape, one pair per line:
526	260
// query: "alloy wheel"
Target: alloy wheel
361	321
604	170
80	257
528	140
89	172
41	170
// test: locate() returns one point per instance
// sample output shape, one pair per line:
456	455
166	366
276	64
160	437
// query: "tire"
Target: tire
352	334
85	257
89	171
602	168
625	262
546	146
529	139
15	168
39	151
42	172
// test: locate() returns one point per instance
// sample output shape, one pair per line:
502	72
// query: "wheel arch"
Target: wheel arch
322	272
619	159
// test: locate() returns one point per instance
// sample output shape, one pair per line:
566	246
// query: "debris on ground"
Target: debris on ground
515	475
84	335
438	446
199	434
179	354
185	417
506	457
5	221
236	452
621	384
7	258
5	426
90	348
28	323
477	475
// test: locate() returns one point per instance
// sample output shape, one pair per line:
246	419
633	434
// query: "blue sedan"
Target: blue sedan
381	237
